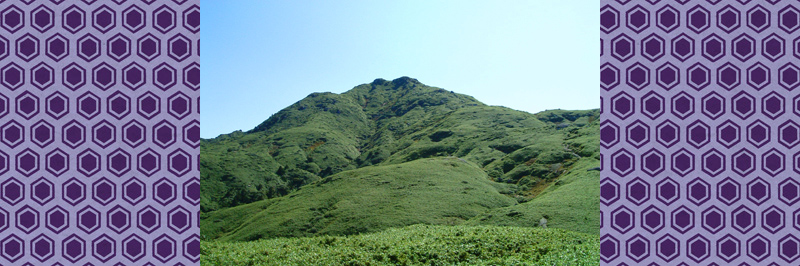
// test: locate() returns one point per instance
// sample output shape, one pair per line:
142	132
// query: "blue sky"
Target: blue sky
261	56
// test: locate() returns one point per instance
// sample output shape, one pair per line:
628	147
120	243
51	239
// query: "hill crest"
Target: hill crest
386	123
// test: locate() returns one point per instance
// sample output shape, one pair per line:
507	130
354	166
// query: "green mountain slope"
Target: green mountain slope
431	191
323	134
571	202
350	163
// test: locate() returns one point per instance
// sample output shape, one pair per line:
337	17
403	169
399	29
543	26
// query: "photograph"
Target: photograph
400	133
415	132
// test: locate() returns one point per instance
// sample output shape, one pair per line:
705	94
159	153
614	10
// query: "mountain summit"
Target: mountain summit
372	132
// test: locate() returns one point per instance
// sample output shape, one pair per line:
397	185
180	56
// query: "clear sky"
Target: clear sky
261	56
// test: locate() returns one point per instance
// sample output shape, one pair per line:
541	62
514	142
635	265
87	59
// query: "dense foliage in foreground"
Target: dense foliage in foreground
415	245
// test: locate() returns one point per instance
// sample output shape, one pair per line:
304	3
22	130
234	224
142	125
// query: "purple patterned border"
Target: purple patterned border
699	132
99	132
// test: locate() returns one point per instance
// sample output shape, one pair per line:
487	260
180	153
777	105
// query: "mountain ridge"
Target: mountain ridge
386	123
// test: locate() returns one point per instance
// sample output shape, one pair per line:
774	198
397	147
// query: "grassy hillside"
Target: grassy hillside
415	245
320	135
385	123
460	182
571	202
369	199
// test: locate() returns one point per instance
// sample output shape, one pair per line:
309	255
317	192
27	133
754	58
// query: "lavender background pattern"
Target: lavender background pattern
99	132
699	132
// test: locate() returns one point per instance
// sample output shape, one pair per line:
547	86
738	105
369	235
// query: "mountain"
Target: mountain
395	153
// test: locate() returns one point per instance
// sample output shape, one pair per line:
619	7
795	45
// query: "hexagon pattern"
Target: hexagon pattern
99	131
699	132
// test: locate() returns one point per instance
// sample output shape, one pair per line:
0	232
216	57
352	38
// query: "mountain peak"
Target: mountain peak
405	80
380	81
398	82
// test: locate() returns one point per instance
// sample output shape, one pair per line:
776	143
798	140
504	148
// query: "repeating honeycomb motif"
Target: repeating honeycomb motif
99	132
699	132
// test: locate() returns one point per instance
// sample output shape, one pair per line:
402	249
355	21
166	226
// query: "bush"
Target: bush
440	135
416	245
299	177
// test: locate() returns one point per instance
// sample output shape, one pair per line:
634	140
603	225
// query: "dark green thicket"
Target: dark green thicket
415	245
391	146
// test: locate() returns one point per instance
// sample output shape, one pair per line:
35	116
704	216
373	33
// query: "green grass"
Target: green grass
571	203
415	245
369	199
382	123
320	135
342	168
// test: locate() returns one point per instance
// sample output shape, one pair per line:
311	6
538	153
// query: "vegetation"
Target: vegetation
571	201
321	135
378	124
415	245
396	154
370	199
